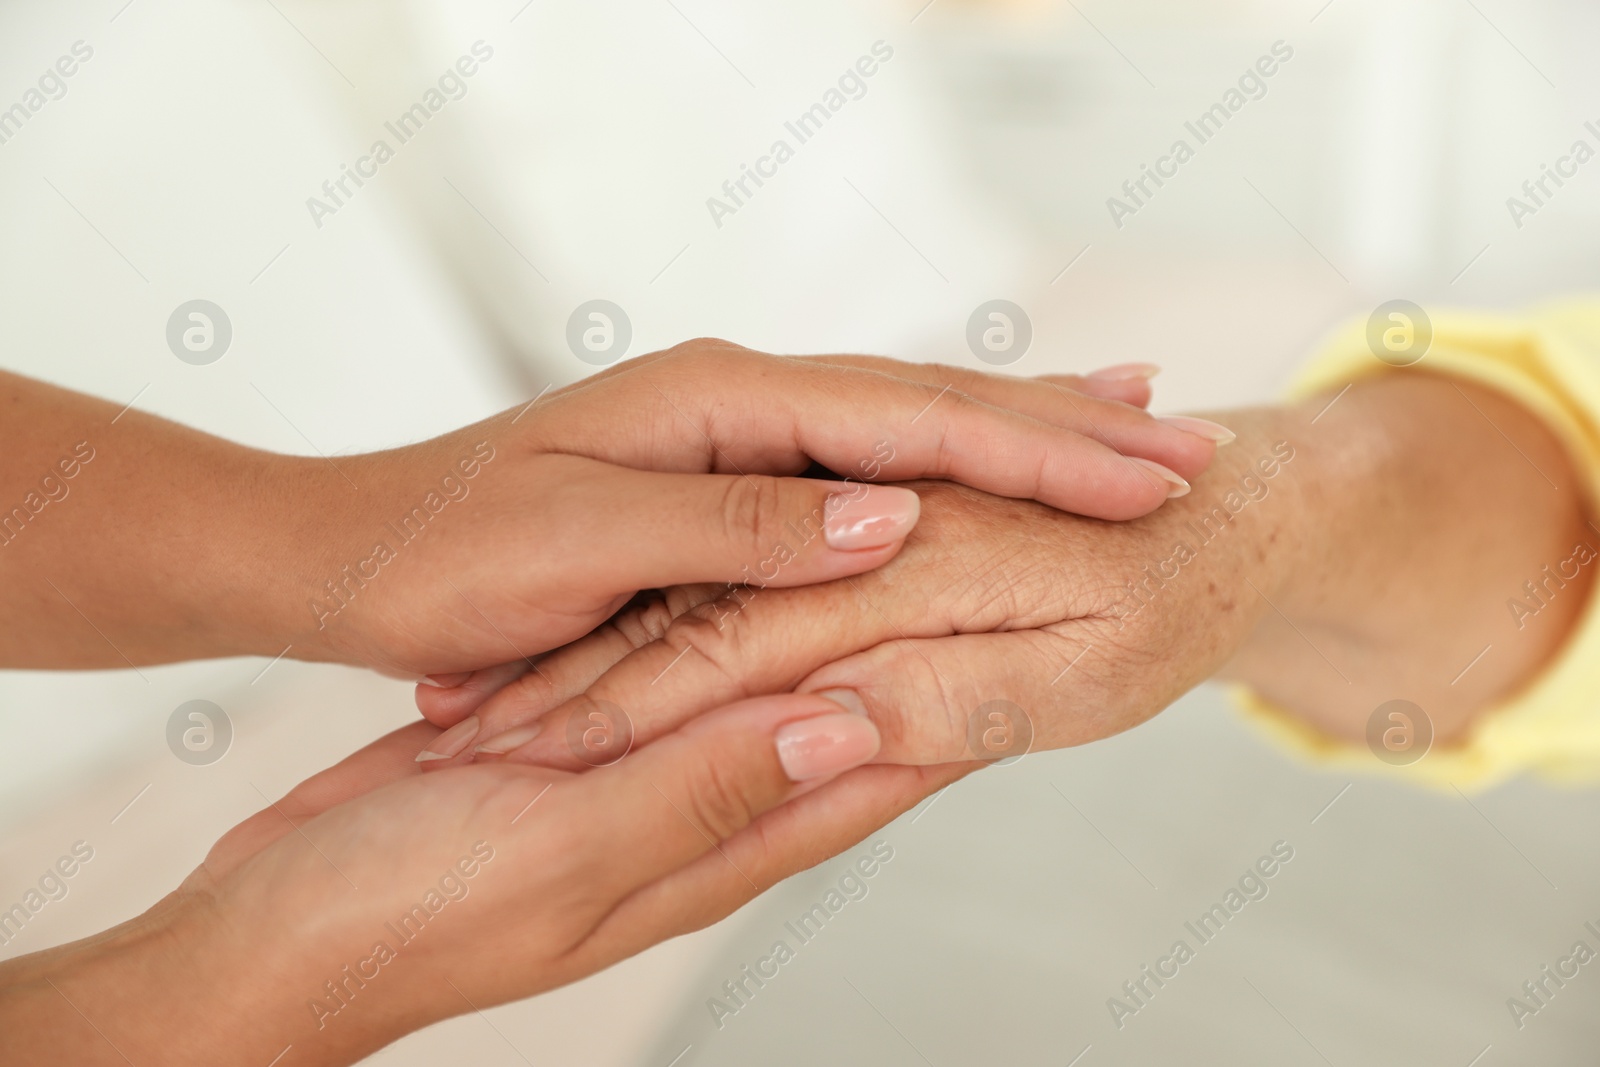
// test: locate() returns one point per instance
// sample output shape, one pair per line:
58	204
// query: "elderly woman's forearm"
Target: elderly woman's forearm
1422	507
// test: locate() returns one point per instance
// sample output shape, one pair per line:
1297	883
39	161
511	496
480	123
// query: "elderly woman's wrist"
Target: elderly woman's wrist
1426	501
1259	492
1295	490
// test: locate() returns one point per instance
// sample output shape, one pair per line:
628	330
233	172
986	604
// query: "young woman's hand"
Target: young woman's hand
371	901
671	469
511	537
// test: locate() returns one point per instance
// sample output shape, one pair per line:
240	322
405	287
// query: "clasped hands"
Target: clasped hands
664	672
396	897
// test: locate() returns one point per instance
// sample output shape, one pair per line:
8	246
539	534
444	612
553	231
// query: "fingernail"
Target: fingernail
1211	431
445	681
511	739
1123	372
825	744
1171	477
871	517
848	699
451	742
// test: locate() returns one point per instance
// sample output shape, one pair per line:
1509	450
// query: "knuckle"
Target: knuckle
707	352
944	733
650	621
751	506
672	364
646	623
998	559
703	631
1007	587
921	712
949	406
719	803
682	598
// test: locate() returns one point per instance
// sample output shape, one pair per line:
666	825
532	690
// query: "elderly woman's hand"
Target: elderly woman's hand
1339	560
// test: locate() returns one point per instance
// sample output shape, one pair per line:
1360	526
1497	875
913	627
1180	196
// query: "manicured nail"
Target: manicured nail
1211	431
1171	477
848	699
451	742
445	681
825	744
1123	372
511	739
869	517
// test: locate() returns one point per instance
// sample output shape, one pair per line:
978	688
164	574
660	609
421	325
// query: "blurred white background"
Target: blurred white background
976	165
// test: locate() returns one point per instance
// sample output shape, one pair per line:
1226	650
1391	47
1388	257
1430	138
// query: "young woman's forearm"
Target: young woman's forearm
127	539
180	985
1423	505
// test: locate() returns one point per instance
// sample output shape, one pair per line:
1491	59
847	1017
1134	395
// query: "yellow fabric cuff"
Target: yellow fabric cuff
1548	361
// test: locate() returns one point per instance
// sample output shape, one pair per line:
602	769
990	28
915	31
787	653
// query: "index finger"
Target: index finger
723	409
1126	382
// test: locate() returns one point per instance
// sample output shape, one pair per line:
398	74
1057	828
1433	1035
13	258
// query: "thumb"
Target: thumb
388	759
748	529
683	795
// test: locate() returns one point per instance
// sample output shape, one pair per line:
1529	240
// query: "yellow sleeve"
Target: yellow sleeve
1549	361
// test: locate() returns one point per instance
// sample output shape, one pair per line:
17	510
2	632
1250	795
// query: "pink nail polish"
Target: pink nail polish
1211	431
1123	372
869	517
500	744
1176	485
451	742
825	744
